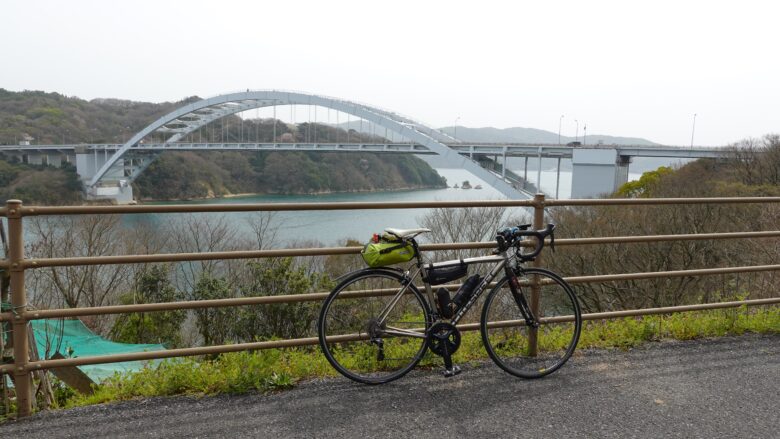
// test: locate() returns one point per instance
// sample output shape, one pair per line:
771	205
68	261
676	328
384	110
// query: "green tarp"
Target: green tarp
72	338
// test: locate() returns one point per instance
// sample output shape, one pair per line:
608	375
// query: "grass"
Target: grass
275	369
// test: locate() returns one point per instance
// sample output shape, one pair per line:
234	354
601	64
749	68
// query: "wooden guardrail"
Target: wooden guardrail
16	264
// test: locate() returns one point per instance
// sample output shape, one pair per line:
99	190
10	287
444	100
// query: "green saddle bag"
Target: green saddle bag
387	252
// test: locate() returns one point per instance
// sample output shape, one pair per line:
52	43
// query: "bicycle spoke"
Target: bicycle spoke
510	341
378	356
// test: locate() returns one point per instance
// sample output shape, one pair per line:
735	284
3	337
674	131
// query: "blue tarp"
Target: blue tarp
71	336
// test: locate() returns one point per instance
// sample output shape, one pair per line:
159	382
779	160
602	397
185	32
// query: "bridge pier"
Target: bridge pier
597	172
621	170
115	185
120	192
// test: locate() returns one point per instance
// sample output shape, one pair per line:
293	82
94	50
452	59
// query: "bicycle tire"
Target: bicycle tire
508	342
350	316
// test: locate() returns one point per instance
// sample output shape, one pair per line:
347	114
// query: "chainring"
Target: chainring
444	338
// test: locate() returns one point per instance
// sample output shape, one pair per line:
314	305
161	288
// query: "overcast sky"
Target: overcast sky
624	68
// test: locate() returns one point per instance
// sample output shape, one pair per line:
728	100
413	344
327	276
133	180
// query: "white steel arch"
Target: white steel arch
193	116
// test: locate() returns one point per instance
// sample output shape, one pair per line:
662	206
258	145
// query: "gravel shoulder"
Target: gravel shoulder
724	387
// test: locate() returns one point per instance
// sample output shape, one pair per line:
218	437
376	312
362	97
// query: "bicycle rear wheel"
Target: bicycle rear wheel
509	341
353	340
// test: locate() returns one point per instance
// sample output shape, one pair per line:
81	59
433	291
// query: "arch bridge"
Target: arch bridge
111	179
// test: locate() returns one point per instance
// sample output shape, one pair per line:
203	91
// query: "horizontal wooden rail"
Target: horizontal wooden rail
310	341
313	297
676	273
265	207
330	251
660	201
273	207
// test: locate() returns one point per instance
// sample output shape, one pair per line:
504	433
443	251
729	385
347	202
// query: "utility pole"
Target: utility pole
693	130
584	134
577	130
560	120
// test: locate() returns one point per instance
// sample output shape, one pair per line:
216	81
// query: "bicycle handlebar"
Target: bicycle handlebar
512	237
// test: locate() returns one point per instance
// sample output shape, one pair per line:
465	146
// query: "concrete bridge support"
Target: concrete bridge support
597	172
115	185
32	157
621	170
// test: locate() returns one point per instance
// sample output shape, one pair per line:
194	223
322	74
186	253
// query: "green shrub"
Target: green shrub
277	369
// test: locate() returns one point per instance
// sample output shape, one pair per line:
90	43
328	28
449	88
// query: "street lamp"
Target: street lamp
584	133
577	130
455	129
560	120
693	130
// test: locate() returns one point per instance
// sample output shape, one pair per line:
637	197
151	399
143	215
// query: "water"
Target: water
333	227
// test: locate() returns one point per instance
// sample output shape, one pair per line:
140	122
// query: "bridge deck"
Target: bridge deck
509	149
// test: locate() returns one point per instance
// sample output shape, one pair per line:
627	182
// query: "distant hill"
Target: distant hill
505	135
533	135
40	117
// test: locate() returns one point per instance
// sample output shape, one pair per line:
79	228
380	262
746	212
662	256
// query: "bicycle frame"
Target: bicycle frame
503	261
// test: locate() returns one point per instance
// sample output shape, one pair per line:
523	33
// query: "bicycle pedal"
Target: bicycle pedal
451	372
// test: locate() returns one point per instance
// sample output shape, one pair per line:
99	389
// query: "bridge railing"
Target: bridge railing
20	314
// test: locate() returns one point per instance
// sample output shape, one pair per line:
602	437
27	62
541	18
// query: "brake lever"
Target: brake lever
552	241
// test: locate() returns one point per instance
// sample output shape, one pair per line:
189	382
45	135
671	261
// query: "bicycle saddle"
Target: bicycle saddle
405	233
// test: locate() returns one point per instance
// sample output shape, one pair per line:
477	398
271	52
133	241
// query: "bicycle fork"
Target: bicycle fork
522	303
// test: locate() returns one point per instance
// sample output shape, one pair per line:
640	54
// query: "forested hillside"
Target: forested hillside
180	175
37	184
51	118
48	118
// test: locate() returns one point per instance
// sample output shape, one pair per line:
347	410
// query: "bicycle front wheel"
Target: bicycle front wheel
354	339
520	349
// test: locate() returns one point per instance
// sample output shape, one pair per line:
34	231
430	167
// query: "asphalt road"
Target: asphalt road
727	387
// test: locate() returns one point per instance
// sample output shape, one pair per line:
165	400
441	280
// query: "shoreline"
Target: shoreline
256	194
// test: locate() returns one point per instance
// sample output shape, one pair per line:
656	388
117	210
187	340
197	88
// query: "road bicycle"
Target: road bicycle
376	325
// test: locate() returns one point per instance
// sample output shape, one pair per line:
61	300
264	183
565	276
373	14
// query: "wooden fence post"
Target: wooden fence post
22	376
538	224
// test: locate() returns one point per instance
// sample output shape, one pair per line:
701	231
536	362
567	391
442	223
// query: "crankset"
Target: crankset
444	340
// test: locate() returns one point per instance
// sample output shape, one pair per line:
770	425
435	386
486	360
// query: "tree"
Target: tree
471	224
77	286
284	320
338	265
643	188
151	286
216	325
757	161
199	234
